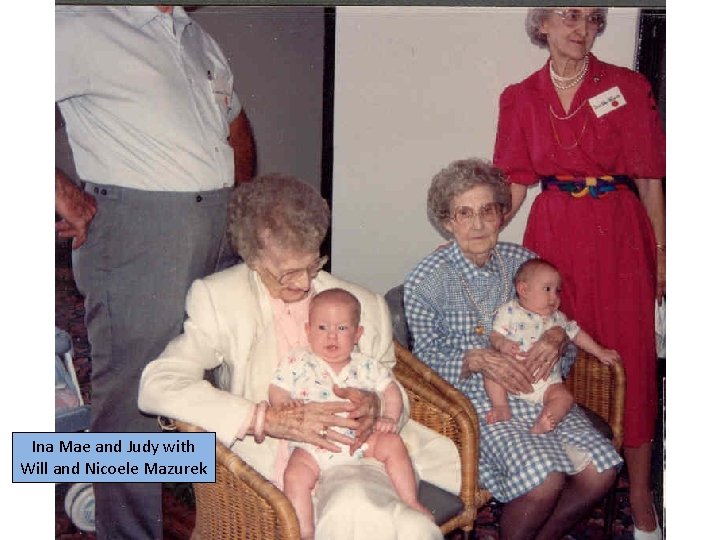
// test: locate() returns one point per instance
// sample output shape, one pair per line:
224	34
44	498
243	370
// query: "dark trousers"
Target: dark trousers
144	249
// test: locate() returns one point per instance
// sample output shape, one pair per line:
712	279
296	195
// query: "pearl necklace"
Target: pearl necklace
486	314
565	83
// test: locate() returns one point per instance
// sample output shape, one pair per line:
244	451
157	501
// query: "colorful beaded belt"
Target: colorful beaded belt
595	186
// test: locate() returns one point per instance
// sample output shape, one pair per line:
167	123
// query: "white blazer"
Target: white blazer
230	326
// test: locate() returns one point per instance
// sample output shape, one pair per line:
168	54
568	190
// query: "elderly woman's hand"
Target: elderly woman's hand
545	352
312	423
510	373
365	410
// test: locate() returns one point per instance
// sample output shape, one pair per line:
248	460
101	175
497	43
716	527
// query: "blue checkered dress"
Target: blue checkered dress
442	321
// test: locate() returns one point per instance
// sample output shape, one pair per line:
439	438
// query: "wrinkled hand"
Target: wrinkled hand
365	410
311	422
502	368
510	348
660	275
544	353
76	208
385	424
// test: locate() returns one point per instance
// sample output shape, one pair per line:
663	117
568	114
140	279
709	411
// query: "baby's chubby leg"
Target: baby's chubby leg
300	477
390	449
500	411
557	401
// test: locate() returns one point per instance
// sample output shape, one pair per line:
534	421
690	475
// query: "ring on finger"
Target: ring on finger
323	432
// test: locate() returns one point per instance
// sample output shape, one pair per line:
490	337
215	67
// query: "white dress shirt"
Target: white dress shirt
147	98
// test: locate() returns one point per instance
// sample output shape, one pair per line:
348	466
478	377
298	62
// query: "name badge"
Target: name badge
607	101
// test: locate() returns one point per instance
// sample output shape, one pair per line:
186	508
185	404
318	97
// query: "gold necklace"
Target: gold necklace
577	139
484	312
567	116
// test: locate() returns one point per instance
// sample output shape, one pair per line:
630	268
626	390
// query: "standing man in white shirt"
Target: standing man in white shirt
158	138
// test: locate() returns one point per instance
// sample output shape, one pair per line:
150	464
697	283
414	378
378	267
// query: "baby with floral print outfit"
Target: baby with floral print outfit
333	330
518	324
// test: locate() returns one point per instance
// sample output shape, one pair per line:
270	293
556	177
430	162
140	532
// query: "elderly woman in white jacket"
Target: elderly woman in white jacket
244	320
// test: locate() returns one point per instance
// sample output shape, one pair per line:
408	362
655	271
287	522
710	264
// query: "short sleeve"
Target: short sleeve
235	107
512	153
571	327
382	377
643	136
501	322
368	374
70	61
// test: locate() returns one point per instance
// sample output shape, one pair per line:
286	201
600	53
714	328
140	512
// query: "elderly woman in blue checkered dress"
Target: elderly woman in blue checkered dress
548	481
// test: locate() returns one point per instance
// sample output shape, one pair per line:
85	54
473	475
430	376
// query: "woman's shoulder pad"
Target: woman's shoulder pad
515	251
228	282
512	92
433	263
626	76
434	258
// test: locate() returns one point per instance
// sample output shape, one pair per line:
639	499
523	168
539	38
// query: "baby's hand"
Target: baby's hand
609	356
510	347
385	424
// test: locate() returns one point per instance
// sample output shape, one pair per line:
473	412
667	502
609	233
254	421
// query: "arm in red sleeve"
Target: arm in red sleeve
512	153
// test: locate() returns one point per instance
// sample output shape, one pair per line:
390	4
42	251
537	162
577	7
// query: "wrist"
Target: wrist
259	423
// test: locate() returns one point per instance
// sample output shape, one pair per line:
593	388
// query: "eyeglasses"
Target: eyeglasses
291	276
487	212
574	17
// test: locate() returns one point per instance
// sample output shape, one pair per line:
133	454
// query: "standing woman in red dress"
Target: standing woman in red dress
590	133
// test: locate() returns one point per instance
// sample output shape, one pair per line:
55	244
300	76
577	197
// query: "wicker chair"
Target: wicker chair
597	388
242	504
600	389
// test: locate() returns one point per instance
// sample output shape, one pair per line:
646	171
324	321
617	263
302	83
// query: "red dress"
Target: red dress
604	247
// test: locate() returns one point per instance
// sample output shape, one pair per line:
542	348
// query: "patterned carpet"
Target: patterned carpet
178	504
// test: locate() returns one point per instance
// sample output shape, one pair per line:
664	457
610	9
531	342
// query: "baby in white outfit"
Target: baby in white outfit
333	330
521	322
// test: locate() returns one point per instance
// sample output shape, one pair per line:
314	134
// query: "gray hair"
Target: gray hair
292	212
537	16
457	178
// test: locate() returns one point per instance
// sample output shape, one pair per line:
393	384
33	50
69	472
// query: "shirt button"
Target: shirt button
198	198
217	149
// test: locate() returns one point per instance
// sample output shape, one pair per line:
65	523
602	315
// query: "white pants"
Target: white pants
357	502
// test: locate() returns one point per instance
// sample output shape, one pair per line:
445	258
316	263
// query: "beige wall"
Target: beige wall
416	88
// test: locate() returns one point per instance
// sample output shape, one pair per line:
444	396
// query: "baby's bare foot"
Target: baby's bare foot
545	422
498	414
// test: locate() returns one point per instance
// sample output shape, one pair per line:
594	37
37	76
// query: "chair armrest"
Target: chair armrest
600	388
241	504
438	405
